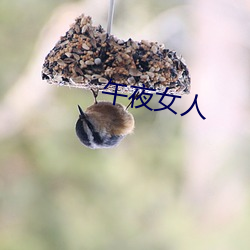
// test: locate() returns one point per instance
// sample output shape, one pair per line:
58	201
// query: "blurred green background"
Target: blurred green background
177	183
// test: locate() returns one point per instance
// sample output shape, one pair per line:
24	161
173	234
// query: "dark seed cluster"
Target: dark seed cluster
87	57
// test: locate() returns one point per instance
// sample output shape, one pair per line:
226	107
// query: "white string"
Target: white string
110	15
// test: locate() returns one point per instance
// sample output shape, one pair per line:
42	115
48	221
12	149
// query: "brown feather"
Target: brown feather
115	119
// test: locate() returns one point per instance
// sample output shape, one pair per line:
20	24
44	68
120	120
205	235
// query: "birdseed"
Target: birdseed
87	57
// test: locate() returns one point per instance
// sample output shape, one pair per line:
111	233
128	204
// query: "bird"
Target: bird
103	124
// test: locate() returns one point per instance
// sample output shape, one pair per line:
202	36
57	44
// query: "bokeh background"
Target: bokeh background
177	183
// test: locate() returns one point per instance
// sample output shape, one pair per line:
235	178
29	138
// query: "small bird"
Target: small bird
103	125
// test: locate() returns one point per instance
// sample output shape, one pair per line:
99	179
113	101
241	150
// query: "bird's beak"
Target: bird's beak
82	115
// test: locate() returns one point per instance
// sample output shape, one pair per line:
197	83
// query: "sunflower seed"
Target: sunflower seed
61	62
78	70
147	43
150	74
77	57
154	49
103	80
88	62
120	42
85	46
68	54
134	72
77	79
69	60
131	80
77	29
